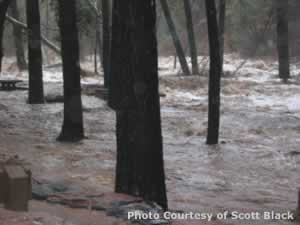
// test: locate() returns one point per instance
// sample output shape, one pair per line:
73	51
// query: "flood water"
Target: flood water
254	168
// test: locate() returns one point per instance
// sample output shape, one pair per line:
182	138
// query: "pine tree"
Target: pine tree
133	93
214	73
72	129
36	90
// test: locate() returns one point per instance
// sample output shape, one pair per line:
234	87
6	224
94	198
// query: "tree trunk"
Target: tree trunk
106	39
36	91
173	32
18	37
283	39
3	9
98	34
214	73
72	128
191	36
222	18
133	93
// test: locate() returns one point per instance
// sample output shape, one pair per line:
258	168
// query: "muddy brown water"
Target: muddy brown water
255	168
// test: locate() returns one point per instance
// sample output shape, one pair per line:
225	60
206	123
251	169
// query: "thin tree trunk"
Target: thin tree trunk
18	37
36	90
49	44
133	93
3	9
72	128
191	36
95	56
283	39
222	18
173	32
106	39
98	33
214	73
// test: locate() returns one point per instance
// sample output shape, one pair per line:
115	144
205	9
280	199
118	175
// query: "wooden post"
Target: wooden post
15	186
3	185
18	188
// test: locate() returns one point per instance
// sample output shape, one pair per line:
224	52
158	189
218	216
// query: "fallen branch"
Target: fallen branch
48	43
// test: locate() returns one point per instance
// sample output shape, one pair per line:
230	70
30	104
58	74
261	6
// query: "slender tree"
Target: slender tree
283	39
191	36
36	91
4	4
98	33
214	73
133	93
222	18
72	128
18	37
106	39
175	37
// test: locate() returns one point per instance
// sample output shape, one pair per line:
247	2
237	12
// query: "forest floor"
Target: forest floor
255	168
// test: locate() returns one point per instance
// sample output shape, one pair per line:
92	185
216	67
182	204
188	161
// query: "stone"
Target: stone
18	183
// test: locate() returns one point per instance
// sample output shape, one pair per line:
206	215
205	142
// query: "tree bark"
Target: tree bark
72	128
133	93
214	73
3	9
283	39
222	18
176	41
36	90
18	37
191	36
106	39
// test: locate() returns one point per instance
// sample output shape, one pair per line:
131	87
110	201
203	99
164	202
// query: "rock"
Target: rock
41	191
54	98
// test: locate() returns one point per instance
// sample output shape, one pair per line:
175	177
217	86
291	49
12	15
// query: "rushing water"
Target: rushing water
254	168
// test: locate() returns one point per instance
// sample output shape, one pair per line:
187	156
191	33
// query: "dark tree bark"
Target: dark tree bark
283	39
175	37
222	18
18	37
191	36
3	9
214	73
106	39
36	90
72	129
133	93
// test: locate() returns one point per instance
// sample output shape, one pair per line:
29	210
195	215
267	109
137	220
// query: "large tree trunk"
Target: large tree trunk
18	37
3	9
106	39
222	18
36	91
72	129
175	37
191	36
214	73
283	39
133	93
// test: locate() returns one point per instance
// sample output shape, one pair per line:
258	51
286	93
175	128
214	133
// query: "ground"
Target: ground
255	168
